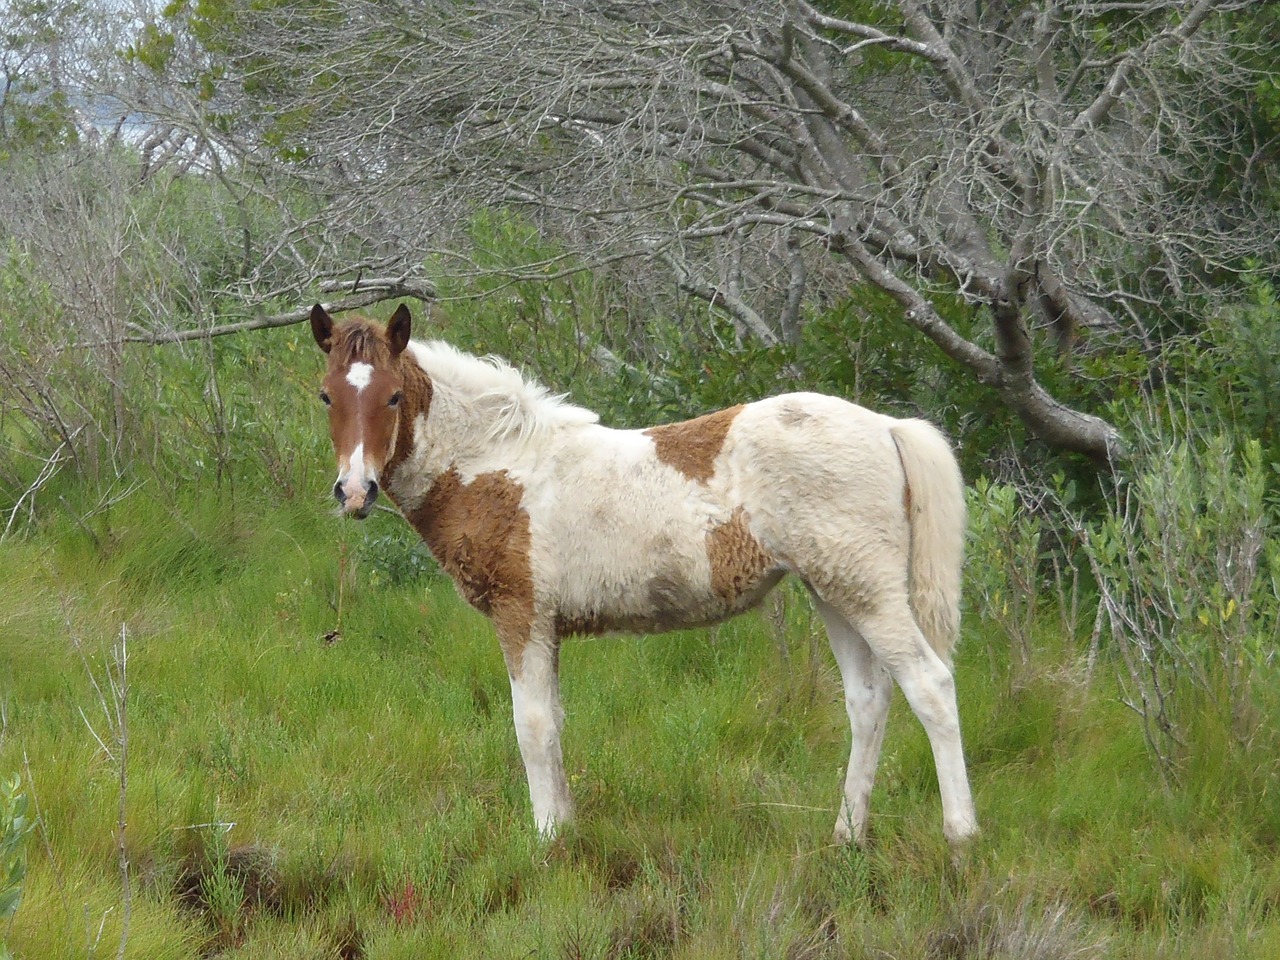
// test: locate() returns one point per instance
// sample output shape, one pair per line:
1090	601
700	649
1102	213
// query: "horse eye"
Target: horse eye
325	397
395	399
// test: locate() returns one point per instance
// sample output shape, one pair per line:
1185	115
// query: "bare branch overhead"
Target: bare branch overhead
1048	165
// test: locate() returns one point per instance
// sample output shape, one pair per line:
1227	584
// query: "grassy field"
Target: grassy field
292	796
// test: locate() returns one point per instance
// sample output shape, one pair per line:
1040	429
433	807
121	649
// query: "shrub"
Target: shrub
1186	571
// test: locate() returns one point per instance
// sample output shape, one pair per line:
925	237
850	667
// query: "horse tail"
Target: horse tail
935	505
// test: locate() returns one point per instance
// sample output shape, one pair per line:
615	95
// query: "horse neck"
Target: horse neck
457	433
466	430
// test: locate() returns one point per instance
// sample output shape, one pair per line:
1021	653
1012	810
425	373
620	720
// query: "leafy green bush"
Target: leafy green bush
1230	371
78	402
397	557
1188	576
1004	560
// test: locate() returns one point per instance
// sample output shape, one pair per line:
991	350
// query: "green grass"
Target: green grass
292	798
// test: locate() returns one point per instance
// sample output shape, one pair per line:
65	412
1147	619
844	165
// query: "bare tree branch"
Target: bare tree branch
375	291
1045	165
1183	25
721	297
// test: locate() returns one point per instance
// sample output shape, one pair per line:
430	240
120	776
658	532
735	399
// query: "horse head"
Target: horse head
363	388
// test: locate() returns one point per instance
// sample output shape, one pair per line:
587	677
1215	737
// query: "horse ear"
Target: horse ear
398	329
322	327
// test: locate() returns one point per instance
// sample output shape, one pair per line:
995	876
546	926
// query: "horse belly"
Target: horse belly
640	583
613	595
664	603
631	543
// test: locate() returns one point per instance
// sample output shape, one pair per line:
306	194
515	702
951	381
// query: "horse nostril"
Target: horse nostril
339	492
373	492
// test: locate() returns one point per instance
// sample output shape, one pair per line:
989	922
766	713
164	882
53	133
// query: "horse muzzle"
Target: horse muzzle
356	502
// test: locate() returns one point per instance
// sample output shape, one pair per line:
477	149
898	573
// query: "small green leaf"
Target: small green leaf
9	900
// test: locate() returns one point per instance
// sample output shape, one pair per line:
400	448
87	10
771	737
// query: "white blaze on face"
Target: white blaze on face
355	466
355	479
359	375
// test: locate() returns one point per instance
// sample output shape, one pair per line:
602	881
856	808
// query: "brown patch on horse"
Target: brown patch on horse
693	445
359	340
740	566
594	624
480	534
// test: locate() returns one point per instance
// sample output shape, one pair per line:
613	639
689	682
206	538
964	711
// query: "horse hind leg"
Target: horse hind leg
867	689
929	687
891	634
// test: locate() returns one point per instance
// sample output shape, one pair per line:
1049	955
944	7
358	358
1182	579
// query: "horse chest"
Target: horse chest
479	533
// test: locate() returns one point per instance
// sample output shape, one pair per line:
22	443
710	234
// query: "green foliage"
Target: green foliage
398	557
216	27
222	893
1188	574
118	415
36	115
290	797
575	332
1003	560
36	120
152	48
14	827
1230	372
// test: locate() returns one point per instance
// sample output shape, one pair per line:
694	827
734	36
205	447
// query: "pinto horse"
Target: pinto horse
552	525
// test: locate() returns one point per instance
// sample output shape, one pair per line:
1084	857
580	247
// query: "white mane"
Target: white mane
515	407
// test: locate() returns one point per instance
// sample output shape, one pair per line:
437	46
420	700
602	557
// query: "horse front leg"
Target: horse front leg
533	668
